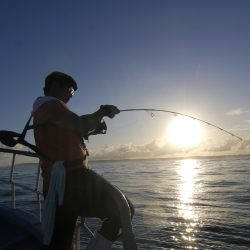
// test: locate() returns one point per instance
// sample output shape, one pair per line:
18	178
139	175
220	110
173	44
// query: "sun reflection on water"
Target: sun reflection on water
187	227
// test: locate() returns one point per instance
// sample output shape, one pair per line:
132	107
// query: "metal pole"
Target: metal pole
13	187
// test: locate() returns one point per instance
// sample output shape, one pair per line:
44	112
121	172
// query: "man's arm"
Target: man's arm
86	124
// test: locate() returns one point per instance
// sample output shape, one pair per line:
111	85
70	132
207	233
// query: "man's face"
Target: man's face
67	93
63	92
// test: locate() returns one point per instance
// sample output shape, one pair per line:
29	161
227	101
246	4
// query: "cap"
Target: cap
60	77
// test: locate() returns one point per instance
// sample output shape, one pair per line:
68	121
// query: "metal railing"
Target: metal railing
80	222
15	184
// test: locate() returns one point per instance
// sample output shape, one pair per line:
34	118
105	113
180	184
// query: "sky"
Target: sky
191	57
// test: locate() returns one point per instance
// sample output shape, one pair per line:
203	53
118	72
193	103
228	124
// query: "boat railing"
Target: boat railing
81	224
15	184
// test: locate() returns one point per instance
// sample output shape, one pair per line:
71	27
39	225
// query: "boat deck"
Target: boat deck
15	230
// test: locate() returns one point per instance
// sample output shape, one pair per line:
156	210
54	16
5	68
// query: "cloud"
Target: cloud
159	149
245	146
226	146
237	111
151	149
6	158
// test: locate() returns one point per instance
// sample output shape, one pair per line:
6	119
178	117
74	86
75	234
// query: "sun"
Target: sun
185	132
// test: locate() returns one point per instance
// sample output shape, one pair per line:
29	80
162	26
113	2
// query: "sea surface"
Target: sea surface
179	204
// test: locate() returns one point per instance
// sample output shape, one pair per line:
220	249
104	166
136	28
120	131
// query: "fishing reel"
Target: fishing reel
100	129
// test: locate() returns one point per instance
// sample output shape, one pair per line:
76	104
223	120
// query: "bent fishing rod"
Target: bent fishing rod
181	114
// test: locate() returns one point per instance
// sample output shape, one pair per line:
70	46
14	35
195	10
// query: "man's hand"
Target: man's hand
110	110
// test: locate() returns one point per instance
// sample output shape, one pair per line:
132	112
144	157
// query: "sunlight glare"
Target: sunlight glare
187	172
184	132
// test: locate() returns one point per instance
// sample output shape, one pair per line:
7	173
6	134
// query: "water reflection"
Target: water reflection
187	226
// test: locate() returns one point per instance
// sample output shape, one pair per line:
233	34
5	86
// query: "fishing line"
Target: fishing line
181	114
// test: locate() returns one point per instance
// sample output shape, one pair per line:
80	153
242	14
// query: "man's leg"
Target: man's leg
88	197
99	202
111	226
63	230
98	242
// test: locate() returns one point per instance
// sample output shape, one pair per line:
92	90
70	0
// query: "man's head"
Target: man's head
60	85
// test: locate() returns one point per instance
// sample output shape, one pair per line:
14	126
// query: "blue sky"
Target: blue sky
188	56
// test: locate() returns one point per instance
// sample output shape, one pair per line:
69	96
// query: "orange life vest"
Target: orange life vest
57	143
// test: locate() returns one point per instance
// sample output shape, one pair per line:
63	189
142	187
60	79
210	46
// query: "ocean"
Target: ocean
179	204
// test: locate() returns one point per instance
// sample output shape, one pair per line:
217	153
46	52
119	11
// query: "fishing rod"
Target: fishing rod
181	114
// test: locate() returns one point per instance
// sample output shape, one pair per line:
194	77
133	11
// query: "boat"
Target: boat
18	228
22	230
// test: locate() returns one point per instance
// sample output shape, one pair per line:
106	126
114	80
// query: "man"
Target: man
58	134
